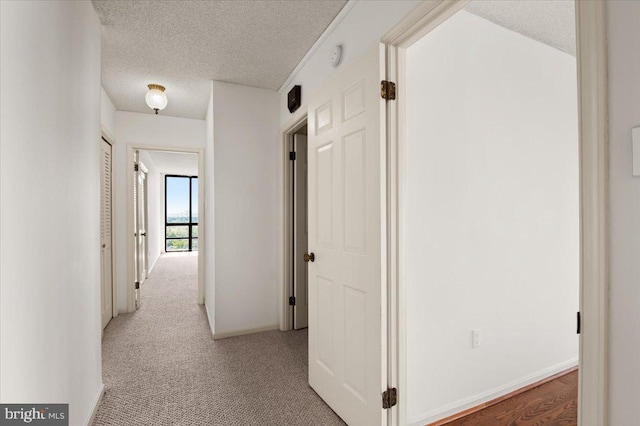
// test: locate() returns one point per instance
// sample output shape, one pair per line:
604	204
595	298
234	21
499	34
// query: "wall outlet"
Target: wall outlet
475	338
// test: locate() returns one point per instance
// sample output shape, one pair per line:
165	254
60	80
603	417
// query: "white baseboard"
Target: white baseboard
96	404
233	333
154	264
481	398
211	324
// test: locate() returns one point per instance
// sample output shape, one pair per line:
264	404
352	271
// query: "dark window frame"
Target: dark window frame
190	224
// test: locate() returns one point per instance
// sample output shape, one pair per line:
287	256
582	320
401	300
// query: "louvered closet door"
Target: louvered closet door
106	257
347	309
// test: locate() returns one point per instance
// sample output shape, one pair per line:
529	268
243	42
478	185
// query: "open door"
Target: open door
142	223
139	221
300	232
347	278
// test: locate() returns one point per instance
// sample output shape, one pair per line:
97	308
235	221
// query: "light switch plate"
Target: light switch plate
475	338
635	137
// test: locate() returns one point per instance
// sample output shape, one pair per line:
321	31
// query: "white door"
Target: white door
139	226
347	286
106	255
142	224
300	308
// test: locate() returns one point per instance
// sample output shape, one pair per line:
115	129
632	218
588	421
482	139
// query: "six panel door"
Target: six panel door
347	294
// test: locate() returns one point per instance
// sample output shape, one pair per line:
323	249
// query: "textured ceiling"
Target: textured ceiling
551	22
183	45
175	163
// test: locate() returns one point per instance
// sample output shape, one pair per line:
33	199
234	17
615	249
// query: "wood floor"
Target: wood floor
551	404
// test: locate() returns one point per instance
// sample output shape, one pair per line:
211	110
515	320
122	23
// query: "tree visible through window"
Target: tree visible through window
181	213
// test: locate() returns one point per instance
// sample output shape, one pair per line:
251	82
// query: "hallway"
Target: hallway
161	366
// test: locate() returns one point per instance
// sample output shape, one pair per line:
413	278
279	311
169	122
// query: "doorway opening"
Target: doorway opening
296	283
492	212
166	214
593	171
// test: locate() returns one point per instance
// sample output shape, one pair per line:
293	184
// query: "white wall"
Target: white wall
209	233
492	239
49	192
362	25
623	19
107	114
155	207
248	207
139	130
160	130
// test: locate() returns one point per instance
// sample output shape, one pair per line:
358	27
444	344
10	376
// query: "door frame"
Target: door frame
145	213
114	276
300	236
298	121
131	148
593	147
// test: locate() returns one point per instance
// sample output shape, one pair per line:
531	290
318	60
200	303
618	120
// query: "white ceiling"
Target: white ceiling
175	163
551	22
183	45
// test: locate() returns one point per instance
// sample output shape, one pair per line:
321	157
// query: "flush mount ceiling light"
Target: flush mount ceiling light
155	97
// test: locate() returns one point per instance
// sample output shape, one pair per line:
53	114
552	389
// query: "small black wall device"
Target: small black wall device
294	98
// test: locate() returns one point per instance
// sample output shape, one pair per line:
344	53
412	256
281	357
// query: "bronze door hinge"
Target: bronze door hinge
389	398
388	90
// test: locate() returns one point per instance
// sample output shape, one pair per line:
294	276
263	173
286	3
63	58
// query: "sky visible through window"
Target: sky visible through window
178	200
194	200
181	231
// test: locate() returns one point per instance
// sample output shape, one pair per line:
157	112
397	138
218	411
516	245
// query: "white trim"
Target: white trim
210	320
96	405
107	135
143	167
298	120
594	247
591	56
481	398
130	242
154	264
396	342
202	227
421	20
131	148
242	332
323	37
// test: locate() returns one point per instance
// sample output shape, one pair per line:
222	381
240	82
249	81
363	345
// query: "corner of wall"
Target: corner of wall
209	214
107	115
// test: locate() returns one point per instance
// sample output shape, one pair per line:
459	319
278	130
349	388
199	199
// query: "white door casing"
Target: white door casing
594	283
106	254
301	236
142	224
132	296
347	234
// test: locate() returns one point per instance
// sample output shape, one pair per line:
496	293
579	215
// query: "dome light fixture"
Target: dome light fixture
155	97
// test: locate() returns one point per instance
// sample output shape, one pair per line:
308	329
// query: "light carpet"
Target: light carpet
161	366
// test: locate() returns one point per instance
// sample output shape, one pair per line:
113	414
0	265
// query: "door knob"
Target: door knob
144	234
309	257
104	246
